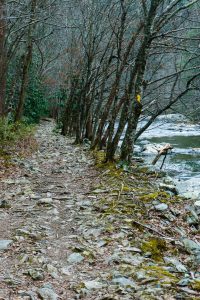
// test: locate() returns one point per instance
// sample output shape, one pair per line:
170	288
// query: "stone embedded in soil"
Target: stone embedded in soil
194	249
75	258
197	204
45	201
93	284
52	271
161	207
191	246
176	263
35	274
197	207
192	218
47	292
184	282
123	281
168	187
4	244
28	294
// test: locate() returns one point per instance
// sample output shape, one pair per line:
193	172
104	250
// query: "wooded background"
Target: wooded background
93	63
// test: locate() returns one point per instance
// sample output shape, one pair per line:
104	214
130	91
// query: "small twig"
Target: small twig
118	197
164	160
120	192
154	230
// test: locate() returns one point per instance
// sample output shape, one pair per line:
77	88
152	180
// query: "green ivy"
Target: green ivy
36	104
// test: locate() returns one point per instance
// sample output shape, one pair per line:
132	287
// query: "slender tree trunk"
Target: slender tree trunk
110	130
114	89
128	142
27	62
112	145
3	58
140	66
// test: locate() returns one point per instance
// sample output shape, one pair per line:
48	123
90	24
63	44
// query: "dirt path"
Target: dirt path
63	235
45	198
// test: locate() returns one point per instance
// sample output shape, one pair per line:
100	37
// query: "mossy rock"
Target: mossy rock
162	275
156	247
196	285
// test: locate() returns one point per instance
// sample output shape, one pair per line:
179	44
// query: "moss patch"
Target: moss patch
156	246
161	274
196	285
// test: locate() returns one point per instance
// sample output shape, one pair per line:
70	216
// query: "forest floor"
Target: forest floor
74	228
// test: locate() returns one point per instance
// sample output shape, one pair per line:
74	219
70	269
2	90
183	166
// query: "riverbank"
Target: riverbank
74	228
183	163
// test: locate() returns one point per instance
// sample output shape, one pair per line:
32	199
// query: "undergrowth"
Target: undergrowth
15	140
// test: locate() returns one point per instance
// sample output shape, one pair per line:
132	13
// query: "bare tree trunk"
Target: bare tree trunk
140	66
128	143
3	58
27	62
115	88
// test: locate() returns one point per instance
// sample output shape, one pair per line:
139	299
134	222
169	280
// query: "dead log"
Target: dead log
163	151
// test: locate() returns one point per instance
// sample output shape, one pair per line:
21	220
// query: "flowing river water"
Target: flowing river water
183	163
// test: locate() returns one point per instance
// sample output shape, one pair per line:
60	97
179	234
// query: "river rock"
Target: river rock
169	187
150	149
168	180
197	207
161	207
190	188
4	244
47	292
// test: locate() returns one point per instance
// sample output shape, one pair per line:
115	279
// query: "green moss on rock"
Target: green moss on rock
156	247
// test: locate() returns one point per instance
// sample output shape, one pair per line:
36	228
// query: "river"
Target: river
183	163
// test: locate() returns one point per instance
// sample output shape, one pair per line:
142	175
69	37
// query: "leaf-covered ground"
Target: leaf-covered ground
73	228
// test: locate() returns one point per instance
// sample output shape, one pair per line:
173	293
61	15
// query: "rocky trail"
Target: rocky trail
67	231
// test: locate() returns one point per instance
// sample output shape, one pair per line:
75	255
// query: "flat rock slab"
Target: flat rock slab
4	244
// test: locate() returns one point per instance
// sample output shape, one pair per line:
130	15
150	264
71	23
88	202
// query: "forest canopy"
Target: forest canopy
92	64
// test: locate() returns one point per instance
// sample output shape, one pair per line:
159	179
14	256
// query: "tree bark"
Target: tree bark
3	58
27	62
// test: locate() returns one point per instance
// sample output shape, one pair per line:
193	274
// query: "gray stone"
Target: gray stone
35	274
161	206
30	294
191	246
45	201
123	281
169	187
197	207
4	244
192	218
47	292
168	180
93	284
176	263
75	258
184	282
197	204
